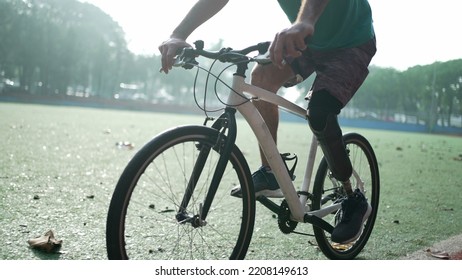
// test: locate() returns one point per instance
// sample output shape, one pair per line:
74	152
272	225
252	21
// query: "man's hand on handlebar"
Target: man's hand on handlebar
290	42
168	50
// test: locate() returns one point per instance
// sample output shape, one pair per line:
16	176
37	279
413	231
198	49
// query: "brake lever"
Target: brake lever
263	56
185	59
262	59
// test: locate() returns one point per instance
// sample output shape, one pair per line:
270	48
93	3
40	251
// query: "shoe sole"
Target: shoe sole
270	193
366	216
267	193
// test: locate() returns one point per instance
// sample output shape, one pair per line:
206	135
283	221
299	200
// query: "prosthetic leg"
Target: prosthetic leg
324	125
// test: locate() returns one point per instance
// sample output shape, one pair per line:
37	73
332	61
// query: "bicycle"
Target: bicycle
173	200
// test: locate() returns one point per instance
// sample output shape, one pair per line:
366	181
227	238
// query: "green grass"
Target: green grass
59	166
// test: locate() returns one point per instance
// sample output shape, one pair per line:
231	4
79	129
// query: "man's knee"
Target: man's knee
270	77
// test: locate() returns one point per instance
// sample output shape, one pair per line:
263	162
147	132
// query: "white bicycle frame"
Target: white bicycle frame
237	98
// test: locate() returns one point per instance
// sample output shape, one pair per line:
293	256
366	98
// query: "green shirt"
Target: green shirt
343	24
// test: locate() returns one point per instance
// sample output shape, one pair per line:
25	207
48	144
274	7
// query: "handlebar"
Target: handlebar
186	56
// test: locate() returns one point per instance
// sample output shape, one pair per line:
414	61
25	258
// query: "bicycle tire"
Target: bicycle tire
326	189
141	221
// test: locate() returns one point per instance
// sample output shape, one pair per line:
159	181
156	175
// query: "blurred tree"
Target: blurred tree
59	44
382	92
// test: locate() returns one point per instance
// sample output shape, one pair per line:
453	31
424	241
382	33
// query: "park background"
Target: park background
72	52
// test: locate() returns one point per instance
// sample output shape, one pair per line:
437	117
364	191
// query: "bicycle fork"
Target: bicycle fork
225	123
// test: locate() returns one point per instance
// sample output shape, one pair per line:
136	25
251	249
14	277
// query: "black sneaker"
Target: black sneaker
264	183
355	211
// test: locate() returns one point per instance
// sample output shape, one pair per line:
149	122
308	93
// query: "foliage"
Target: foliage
432	92
50	45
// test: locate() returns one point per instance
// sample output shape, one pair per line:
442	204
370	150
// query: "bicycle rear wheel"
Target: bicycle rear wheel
144	215
327	190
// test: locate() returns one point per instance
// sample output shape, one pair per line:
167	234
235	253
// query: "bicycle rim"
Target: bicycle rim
327	190
142	221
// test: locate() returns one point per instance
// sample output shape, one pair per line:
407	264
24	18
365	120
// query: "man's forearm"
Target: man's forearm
311	10
202	11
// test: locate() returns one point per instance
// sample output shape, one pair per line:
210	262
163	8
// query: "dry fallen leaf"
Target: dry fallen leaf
46	242
438	254
125	145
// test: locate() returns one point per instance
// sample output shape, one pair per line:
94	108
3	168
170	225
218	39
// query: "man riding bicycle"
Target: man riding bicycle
334	39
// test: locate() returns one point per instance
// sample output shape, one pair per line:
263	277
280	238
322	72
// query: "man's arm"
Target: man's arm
201	12
291	41
310	11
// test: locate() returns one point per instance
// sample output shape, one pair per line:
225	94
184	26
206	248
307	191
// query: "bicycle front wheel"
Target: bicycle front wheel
327	190
155	214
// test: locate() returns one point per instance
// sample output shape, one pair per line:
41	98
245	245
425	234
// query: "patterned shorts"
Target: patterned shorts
341	72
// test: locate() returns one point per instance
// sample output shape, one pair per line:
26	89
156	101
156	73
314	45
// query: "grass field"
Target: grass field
59	166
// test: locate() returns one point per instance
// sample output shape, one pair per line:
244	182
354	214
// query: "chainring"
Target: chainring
286	225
